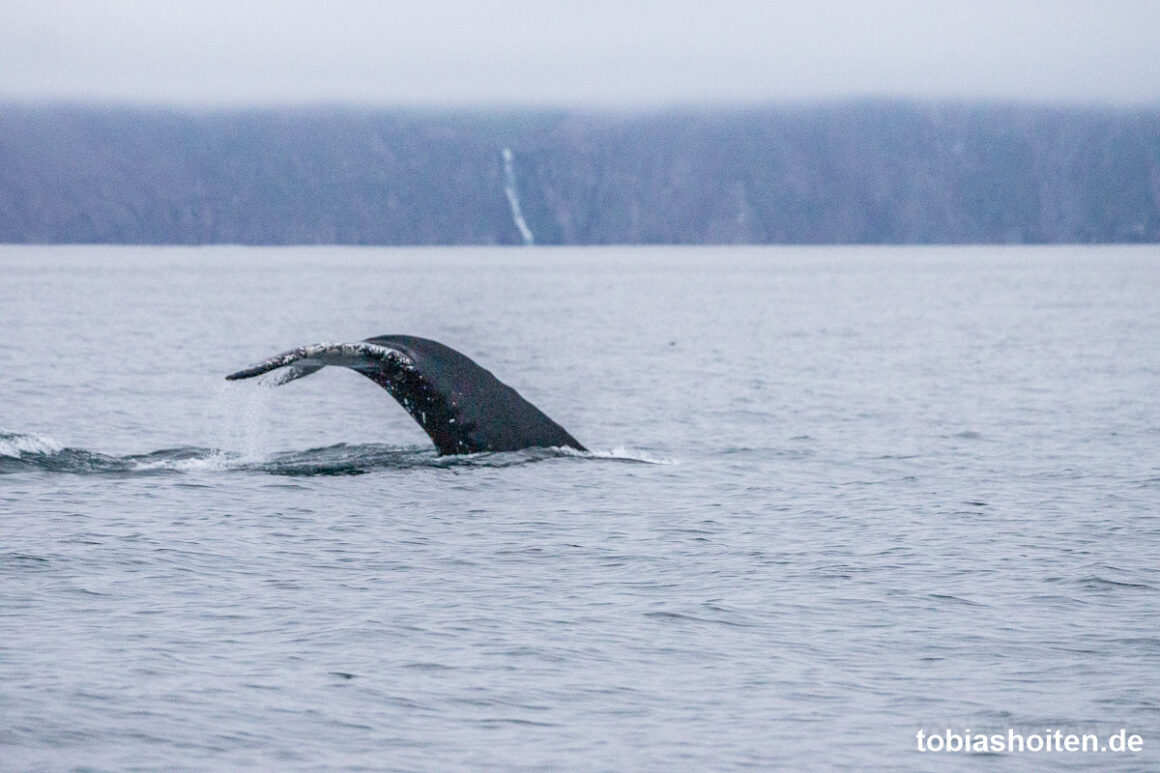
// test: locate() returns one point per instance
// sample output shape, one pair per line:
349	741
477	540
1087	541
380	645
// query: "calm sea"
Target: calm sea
837	496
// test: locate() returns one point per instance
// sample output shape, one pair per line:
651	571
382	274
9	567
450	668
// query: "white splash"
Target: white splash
620	453
17	443
509	187
217	461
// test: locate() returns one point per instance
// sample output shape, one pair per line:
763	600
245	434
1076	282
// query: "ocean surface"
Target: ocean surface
835	497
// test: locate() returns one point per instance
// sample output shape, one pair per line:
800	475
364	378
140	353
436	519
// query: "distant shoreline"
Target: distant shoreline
861	172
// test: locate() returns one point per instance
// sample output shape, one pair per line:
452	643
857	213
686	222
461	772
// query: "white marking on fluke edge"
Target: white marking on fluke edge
509	188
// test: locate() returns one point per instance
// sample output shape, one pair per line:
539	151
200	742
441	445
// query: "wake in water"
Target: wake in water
21	452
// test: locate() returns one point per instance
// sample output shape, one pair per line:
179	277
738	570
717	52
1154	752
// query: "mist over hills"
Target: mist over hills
867	172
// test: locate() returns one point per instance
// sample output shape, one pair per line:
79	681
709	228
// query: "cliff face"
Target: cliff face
854	173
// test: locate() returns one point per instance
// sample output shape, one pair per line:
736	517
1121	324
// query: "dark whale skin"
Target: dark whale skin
461	406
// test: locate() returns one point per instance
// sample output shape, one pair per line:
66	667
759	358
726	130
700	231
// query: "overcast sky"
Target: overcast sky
618	53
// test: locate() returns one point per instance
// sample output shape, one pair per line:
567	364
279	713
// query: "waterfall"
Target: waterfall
513	197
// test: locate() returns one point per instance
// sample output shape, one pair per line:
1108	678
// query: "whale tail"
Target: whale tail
461	406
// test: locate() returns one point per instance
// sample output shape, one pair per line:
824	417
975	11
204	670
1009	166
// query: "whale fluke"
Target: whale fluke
460	405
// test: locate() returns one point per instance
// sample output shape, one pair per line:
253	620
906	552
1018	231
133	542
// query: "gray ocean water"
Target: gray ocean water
836	496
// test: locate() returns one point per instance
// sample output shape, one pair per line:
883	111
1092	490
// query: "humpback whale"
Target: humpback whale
461	406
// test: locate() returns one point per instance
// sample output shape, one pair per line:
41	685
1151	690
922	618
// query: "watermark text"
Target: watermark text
1016	742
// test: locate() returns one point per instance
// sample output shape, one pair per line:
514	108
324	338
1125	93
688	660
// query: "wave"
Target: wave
23	453
618	454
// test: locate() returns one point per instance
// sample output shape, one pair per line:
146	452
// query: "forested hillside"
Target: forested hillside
844	173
